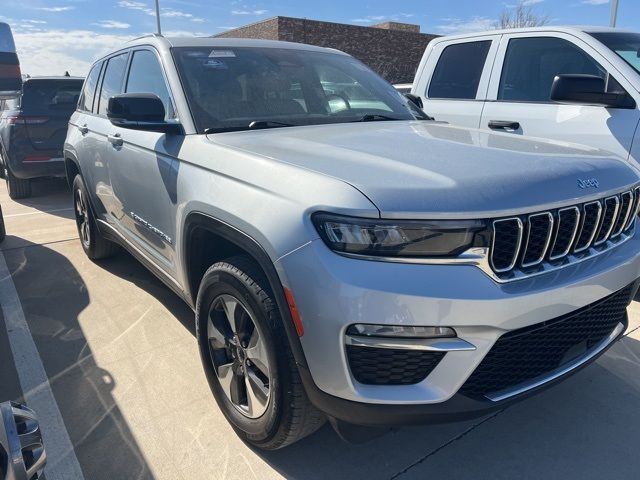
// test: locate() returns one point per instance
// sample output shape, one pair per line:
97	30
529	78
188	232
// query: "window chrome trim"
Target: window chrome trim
595	227
517	249
573	236
547	241
559	372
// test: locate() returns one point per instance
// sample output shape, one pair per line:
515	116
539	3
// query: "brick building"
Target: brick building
392	49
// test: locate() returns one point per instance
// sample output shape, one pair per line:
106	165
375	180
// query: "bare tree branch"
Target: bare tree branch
522	15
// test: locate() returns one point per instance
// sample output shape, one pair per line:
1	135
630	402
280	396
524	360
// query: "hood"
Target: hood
418	169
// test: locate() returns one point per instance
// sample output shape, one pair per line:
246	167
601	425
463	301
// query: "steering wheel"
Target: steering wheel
341	97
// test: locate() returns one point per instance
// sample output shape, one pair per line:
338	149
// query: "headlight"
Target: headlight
401	238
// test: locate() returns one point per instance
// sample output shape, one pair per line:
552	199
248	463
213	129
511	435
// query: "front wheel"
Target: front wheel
247	358
95	246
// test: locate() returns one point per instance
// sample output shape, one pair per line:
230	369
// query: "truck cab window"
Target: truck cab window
531	64
458	72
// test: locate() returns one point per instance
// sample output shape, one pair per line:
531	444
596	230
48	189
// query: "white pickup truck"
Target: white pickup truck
572	84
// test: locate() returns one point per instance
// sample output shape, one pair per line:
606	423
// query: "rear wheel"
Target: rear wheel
247	358
95	246
2	230
17	187
2	162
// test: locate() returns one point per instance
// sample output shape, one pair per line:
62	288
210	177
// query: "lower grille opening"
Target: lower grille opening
527	353
388	366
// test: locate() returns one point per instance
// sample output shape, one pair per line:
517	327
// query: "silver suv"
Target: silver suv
345	256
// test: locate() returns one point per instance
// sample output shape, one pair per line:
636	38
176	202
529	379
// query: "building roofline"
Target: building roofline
277	17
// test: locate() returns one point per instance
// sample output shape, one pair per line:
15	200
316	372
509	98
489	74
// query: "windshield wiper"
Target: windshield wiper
255	125
376	117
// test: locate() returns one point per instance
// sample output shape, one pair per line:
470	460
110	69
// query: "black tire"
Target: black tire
95	246
3	164
17	187
3	232
289	415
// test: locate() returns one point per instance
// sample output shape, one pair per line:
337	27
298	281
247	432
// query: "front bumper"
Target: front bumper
332	292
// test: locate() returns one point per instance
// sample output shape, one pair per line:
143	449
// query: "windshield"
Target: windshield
238	88
625	45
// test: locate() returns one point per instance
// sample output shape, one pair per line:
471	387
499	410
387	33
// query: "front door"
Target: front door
519	94
143	168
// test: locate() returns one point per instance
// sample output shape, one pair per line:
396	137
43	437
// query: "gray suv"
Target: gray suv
345	256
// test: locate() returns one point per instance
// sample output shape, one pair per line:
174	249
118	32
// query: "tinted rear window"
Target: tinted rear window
51	96
457	74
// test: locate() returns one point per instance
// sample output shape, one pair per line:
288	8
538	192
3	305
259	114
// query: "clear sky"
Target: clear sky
57	35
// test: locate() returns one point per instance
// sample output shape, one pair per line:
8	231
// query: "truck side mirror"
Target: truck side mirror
587	90
416	100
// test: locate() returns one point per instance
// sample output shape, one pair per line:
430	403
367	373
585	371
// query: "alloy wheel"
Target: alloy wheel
82	218
239	355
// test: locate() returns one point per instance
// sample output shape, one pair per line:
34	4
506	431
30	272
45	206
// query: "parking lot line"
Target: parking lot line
62	464
39	212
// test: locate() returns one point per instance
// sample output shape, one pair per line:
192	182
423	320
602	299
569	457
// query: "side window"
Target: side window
112	82
531	64
145	76
458	71
89	89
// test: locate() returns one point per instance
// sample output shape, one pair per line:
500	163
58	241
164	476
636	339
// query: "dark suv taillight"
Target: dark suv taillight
25	119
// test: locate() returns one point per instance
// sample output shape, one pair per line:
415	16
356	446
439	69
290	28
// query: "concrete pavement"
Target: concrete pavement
120	355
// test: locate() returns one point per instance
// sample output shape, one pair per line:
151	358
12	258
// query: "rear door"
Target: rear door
82	125
519	93
454	80
47	105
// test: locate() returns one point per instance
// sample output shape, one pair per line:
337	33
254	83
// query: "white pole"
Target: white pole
158	16
614	13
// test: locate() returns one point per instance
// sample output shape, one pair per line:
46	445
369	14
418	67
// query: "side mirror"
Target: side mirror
140	111
416	100
587	90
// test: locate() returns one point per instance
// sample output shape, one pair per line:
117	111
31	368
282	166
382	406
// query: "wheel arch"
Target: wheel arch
71	167
207	240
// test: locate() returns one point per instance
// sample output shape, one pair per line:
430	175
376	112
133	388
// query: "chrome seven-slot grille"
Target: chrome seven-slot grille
555	237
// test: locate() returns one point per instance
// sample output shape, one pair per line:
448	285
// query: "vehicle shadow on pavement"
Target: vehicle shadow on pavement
128	268
53	295
51	195
587	427
595	411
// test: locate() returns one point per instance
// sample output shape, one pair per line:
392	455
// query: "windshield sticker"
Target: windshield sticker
222	53
213	63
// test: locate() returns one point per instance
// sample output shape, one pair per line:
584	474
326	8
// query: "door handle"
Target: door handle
115	140
83	129
503	125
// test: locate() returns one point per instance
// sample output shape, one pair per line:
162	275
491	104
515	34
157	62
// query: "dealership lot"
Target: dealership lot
119	353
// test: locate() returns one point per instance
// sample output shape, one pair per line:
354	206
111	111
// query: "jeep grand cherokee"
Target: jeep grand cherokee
346	257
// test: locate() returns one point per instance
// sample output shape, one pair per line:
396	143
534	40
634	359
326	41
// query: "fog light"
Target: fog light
367	330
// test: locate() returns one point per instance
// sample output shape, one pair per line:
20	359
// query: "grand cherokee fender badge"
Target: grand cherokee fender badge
158	232
588	183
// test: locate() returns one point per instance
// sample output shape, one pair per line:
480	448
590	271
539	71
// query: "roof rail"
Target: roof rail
146	36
